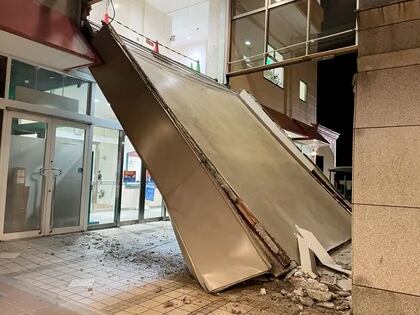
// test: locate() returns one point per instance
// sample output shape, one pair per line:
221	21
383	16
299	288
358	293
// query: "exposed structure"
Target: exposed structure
251	187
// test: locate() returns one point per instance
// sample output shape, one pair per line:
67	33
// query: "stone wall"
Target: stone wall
386	181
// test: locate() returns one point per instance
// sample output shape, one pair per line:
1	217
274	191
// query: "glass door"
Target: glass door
67	176
25	165
104	178
43	168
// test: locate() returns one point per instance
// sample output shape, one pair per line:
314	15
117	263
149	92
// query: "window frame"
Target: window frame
305	100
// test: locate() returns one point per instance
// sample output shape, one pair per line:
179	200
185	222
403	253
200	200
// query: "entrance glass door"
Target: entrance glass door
25	178
44	176
67	174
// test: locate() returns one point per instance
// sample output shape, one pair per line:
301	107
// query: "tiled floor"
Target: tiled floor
136	269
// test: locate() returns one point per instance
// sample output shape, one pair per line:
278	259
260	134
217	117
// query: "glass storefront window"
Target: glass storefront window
39	86
102	107
332	25
248	41
153	204
243	6
287	29
275	75
131	179
3	69
104	175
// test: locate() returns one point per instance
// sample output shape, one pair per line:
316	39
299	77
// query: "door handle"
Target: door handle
57	169
43	171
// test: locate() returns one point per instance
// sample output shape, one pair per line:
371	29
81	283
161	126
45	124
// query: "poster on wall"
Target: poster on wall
129	176
150	187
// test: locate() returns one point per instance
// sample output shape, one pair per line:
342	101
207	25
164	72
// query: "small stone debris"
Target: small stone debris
299	292
328	280
284	292
236	310
343	293
90	289
168	304
186	300
300	307
158	289
320	296
306	300
263	291
329	305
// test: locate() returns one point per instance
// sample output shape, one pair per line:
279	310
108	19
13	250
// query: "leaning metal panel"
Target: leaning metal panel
213	159
271	182
218	246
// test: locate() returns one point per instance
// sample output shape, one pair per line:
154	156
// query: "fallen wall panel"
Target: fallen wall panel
234	191
218	246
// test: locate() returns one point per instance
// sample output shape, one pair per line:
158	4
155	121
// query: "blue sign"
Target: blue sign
150	192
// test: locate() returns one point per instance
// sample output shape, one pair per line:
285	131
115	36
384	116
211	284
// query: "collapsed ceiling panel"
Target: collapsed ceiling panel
234	191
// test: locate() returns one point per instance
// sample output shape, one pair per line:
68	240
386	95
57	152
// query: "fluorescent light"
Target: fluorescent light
247	43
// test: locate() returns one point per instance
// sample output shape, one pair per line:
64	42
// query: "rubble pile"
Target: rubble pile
320	292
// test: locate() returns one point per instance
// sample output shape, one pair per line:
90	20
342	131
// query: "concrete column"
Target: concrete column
386	175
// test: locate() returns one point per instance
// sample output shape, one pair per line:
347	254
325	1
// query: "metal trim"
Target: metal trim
288	62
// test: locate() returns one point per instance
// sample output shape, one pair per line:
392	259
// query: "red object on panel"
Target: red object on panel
106	18
34	21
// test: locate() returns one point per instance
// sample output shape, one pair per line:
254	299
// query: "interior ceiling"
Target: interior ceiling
191	24
170	6
38	53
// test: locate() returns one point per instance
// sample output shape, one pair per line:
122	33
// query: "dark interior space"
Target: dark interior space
336	101
3	67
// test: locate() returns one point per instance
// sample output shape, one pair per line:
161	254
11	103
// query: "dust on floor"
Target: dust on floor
139	269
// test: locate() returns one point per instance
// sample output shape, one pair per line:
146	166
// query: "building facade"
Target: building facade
65	160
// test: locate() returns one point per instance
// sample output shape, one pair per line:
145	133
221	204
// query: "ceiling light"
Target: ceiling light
96	100
188	37
247	43
26	81
51	78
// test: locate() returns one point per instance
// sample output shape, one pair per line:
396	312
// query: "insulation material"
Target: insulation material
233	190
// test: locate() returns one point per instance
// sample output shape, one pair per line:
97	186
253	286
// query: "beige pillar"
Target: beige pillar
386	179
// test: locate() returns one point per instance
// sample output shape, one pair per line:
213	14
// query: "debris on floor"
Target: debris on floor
120	278
6	255
85	283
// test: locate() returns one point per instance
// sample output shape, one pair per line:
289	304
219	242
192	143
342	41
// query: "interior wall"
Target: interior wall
304	111
274	97
266	92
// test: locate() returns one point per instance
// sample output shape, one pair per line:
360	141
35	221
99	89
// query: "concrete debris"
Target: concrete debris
309	284
263	291
345	284
328	280
344	293
307	301
318	295
186	300
168	304
236	310
299	292
158	289
328	305
87	283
